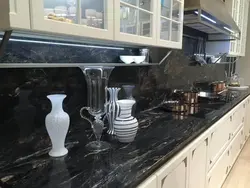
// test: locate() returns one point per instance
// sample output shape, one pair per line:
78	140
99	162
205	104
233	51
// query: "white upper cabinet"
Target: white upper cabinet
15	14
240	16
170	23
150	22
86	18
135	21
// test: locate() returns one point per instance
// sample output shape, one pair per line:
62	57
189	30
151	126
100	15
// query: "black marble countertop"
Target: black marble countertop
25	162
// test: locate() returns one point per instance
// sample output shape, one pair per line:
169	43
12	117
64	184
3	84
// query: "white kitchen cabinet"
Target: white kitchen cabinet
135	21
240	16
14	14
236	146
219	172
238	118
244	27
84	18
219	139
247	120
170	23
150	22
174	173
198	165
149	183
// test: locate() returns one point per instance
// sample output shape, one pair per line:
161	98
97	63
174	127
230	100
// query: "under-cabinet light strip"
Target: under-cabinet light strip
228	29
65	44
207	18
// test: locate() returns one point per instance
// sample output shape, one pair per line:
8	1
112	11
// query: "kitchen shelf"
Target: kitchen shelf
56	65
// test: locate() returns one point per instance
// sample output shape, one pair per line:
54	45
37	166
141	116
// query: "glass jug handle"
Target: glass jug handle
84	117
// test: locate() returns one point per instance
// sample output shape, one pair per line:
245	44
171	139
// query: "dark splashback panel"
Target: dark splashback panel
30	106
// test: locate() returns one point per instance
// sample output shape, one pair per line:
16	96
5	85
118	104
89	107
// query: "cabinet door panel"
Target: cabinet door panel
197	177
135	21
177	178
236	146
219	172
15	14
175	172
170	23
85	18
247	121
238	117
219	139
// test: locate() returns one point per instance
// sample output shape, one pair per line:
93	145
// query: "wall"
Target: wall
243	67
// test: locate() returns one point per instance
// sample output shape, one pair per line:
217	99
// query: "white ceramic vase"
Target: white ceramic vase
126	125
57	125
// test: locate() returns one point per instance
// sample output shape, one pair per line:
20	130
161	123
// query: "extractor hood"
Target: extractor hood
211	17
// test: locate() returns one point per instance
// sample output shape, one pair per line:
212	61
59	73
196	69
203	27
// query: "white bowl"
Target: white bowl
127	59
139	59
130	59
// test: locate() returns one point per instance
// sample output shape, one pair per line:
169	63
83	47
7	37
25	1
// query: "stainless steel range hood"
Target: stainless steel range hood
210	16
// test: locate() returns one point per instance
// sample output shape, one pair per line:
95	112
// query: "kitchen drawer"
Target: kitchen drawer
219	172
238	117
236	146
219	139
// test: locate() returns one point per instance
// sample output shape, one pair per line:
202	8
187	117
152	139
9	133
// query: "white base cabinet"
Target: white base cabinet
219	172
198	159
207	161
177	167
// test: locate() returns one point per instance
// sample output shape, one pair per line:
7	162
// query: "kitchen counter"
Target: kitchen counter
25	162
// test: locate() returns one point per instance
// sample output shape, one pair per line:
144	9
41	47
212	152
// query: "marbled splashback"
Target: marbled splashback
23	91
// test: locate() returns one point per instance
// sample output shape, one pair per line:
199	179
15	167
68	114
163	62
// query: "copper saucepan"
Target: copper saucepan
218	86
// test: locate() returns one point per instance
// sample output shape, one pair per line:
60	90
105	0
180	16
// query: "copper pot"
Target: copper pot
218	86
191	97
187	97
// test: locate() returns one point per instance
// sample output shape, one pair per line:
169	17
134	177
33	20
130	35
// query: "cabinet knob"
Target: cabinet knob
228	152
210	161
231	118
227	170
229	136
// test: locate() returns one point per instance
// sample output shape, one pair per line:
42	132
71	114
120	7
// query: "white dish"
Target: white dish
127	59
130	59
139	59
238	88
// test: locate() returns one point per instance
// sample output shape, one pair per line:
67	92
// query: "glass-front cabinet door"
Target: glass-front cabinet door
87	18
15	14
170	23
135	21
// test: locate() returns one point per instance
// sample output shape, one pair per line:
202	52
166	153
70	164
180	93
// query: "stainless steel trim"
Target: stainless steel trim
217	9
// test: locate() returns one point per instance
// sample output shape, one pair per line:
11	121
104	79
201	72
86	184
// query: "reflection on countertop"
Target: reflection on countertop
26	163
